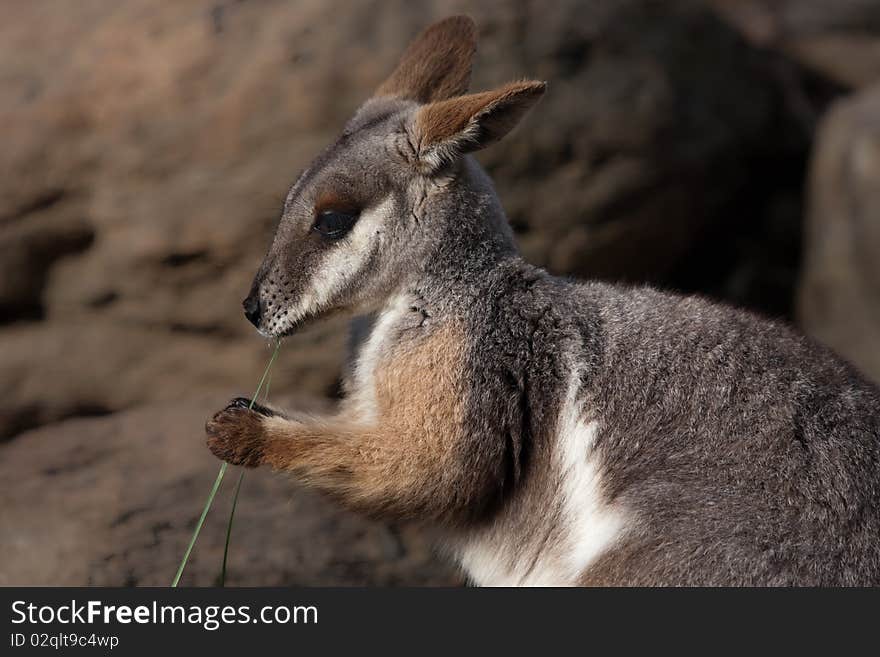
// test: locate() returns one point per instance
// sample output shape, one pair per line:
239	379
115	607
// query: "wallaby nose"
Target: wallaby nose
252	308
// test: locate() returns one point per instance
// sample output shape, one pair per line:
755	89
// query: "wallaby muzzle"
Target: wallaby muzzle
253	307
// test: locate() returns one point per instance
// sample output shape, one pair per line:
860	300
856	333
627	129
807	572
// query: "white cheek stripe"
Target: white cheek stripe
342	261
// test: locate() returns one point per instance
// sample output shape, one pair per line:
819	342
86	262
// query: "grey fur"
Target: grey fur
742	452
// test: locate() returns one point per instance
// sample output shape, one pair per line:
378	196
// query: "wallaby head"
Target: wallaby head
377	205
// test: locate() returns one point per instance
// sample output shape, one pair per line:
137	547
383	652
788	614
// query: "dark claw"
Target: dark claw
242	402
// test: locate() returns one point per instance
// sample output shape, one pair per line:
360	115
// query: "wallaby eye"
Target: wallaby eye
334	224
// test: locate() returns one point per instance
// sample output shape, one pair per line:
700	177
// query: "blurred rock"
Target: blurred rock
28	251
113	501
147	150
649	152
840	292
839	39
55	370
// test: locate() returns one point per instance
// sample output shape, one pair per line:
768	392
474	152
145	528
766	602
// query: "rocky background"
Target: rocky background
727	147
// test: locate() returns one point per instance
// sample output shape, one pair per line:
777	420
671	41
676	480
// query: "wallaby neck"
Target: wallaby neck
476	237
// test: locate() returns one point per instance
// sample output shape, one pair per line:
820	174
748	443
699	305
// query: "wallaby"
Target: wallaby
549	432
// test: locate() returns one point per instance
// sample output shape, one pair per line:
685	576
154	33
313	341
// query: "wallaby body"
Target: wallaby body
550	432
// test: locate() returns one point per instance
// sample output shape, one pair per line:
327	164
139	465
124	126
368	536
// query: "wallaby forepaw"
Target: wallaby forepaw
236	434
244	402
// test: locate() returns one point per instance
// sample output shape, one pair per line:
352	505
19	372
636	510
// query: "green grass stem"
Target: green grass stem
216	487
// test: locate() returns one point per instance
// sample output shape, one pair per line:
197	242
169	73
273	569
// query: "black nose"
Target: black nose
252	308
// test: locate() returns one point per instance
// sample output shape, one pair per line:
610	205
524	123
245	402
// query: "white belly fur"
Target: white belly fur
506	554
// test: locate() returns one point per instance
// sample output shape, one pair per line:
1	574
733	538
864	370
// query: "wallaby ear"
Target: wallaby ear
451	127
437	64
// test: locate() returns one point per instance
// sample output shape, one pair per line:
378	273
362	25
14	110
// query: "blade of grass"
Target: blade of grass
241	474
235	497
199	524
229	527
216	487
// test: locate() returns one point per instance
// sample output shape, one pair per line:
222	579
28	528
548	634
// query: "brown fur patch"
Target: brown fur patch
437	64
335	200
236	436
404	464
488	116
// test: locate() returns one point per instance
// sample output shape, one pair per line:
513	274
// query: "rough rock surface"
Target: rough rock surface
113	501
840	286
839	39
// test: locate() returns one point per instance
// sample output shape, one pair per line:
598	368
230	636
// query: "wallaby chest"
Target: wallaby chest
389	360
